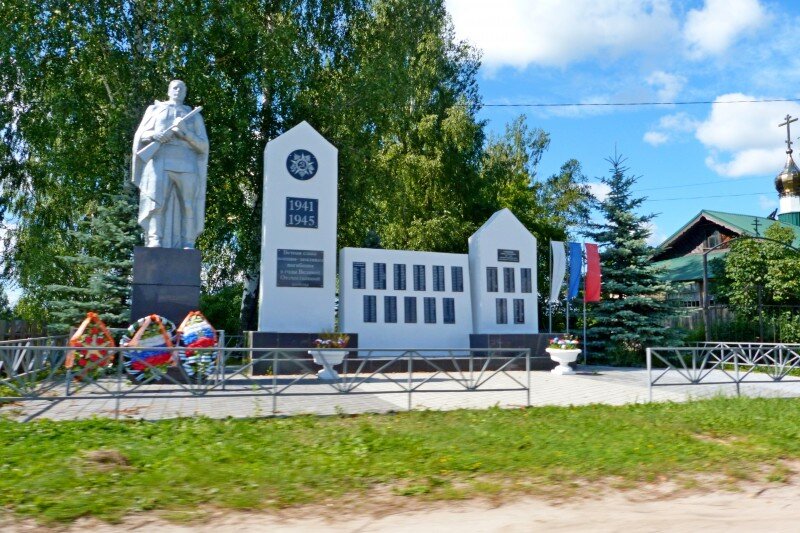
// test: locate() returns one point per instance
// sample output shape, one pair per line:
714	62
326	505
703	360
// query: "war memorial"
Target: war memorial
353	329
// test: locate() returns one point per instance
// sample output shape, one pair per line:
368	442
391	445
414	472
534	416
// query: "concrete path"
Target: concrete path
251	397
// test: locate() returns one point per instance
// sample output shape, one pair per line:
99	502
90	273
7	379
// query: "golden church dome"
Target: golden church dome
788	181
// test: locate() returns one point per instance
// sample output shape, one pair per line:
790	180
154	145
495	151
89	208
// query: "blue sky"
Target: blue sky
690	157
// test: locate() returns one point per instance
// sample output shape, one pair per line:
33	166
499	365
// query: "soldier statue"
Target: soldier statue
170	161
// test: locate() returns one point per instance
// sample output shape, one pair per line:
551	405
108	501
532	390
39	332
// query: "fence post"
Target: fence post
649	377
274	382
410	371
528	374
119	384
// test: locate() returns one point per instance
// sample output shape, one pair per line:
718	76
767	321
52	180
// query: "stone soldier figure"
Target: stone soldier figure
170	161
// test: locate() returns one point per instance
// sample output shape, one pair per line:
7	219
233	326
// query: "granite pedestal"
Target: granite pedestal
537	342
303	341
166	282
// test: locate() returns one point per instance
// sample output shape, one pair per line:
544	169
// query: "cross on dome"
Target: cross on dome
789	120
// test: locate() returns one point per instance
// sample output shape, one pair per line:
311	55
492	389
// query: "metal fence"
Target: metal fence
36	372
723	363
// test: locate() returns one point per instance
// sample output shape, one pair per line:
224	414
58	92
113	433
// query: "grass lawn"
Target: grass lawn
59	471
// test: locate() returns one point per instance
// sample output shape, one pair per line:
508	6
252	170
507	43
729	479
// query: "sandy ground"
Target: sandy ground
755	507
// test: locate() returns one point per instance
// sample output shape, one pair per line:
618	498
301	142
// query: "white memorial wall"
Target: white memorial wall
298	244
405	299
502	262
390	298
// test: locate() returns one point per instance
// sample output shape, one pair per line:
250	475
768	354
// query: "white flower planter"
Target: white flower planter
328	359
563	358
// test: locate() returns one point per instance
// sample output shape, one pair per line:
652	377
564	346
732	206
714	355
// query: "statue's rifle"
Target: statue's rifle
147	153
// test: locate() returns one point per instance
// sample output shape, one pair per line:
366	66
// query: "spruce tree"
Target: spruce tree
5	306
105	259
632	311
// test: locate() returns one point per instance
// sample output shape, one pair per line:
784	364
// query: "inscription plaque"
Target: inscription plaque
300	268
508	256
301	212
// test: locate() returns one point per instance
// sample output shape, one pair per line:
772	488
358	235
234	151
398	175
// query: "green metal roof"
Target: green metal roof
686	268
741	224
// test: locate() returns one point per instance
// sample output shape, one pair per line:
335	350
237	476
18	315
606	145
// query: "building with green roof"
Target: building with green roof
680	257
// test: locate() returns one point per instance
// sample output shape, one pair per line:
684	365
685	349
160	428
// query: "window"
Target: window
501	311
430	310
379	276
449	310
399	277
491	279
713	239
508	279
411	309
438	278
457	279
419	277
370	309
390	309
519	311
526	281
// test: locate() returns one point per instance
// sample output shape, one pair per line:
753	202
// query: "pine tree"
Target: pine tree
631	313
105	261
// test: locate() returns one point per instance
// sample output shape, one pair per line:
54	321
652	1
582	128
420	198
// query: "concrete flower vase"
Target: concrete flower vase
563	358
328	359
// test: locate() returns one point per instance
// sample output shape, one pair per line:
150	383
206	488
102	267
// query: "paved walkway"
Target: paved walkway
381	393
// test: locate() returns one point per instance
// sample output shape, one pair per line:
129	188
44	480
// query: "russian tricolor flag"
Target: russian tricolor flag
591	288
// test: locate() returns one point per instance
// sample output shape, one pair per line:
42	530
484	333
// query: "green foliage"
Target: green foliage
109	469
765	270
221	308
6	313
384	80
548	207
759	279
632	311
102	267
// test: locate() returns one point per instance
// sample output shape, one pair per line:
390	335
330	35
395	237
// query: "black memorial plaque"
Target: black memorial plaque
300	268
508	256
301	212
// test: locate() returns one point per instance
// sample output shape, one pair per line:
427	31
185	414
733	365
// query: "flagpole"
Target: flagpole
567	311
584	326
585	271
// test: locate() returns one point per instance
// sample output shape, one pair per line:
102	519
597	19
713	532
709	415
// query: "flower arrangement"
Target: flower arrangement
196	332
97	348
332	340
565	342
153	333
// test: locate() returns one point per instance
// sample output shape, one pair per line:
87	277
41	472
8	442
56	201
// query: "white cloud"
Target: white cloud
655	138
670	126
713	29
519	33
668	85
678	122
745	139
656	235
599	190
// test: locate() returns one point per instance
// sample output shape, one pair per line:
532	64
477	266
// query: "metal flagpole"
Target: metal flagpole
585	271
567	311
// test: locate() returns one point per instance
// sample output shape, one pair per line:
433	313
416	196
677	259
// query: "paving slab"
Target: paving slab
252	397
